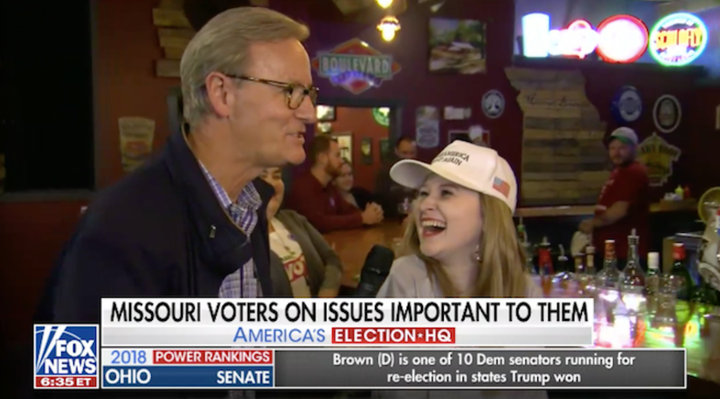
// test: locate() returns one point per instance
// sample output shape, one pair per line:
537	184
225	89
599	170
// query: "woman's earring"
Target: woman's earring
478	257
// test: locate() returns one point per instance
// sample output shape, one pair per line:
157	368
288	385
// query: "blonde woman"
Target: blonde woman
461	239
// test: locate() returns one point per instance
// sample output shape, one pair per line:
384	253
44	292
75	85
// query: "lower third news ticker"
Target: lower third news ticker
142	368
345	344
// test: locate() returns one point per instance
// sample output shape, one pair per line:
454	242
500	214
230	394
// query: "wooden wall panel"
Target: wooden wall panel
564	161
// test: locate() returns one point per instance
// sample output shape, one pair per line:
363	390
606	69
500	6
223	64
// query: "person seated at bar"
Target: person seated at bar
320	202
624	202
302	264
461	237
345	183
390	194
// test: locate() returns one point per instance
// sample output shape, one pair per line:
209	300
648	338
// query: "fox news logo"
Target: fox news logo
66	356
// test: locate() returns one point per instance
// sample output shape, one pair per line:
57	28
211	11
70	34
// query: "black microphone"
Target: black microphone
374	271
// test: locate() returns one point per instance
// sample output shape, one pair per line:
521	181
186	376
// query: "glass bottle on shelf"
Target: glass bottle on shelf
522	232
704	297
564	275
590	260
633	275
580	277
529	263
632	285
680	274
608	277
545	266
652	281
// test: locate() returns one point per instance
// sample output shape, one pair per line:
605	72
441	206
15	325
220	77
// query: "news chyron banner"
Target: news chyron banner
351	344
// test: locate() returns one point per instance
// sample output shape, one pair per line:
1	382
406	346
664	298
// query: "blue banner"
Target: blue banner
229	377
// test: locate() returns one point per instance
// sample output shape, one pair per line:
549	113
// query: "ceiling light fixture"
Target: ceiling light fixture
388	26
384	3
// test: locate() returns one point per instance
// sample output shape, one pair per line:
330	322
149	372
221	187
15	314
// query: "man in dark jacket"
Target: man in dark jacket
191	222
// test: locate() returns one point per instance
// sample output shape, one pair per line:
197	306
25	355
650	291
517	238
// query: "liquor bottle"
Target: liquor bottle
579	267
564	275
545	266
652	280
705	295
609	276
529	262
633	275
680	274
522	232
581	278
590	260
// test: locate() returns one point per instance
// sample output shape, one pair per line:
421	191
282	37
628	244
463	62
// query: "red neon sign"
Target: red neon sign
577	40
622	39
619	39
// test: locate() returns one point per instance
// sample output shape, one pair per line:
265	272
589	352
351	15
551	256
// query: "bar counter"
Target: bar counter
698	334
589	210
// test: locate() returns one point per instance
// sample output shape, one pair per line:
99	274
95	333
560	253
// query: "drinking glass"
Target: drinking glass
403	209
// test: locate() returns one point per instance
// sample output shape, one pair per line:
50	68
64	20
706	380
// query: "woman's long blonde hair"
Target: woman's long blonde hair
501	272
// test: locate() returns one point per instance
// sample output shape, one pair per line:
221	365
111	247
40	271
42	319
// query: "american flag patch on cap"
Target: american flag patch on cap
501	186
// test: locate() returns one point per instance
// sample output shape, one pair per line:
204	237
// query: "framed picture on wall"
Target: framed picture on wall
366	151
457	46
325	113
344	140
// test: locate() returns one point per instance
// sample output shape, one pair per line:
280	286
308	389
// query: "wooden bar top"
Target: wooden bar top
587	210
352	246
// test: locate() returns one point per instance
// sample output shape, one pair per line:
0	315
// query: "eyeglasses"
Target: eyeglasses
296	93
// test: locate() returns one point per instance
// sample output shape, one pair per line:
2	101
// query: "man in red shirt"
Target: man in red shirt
624	201
320	202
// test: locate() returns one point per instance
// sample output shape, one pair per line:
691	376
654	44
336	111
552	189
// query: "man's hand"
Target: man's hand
373	214
586	226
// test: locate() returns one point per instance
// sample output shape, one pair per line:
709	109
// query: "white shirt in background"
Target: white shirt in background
283	244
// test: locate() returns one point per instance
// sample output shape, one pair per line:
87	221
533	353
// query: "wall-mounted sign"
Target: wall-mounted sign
493	104
355	66
427	127
678	39
382	116
658	156
627	106
667	113
577	40
136	141
620	38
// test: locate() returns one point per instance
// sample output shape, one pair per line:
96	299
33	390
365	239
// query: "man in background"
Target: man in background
191	221
320	202
390	194
624	202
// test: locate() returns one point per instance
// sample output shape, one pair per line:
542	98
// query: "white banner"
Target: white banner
346	322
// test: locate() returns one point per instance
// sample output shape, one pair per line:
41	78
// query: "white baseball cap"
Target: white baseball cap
477	168
624	134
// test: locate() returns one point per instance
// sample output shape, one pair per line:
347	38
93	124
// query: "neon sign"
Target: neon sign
577	40
623	39
619	39
678	39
